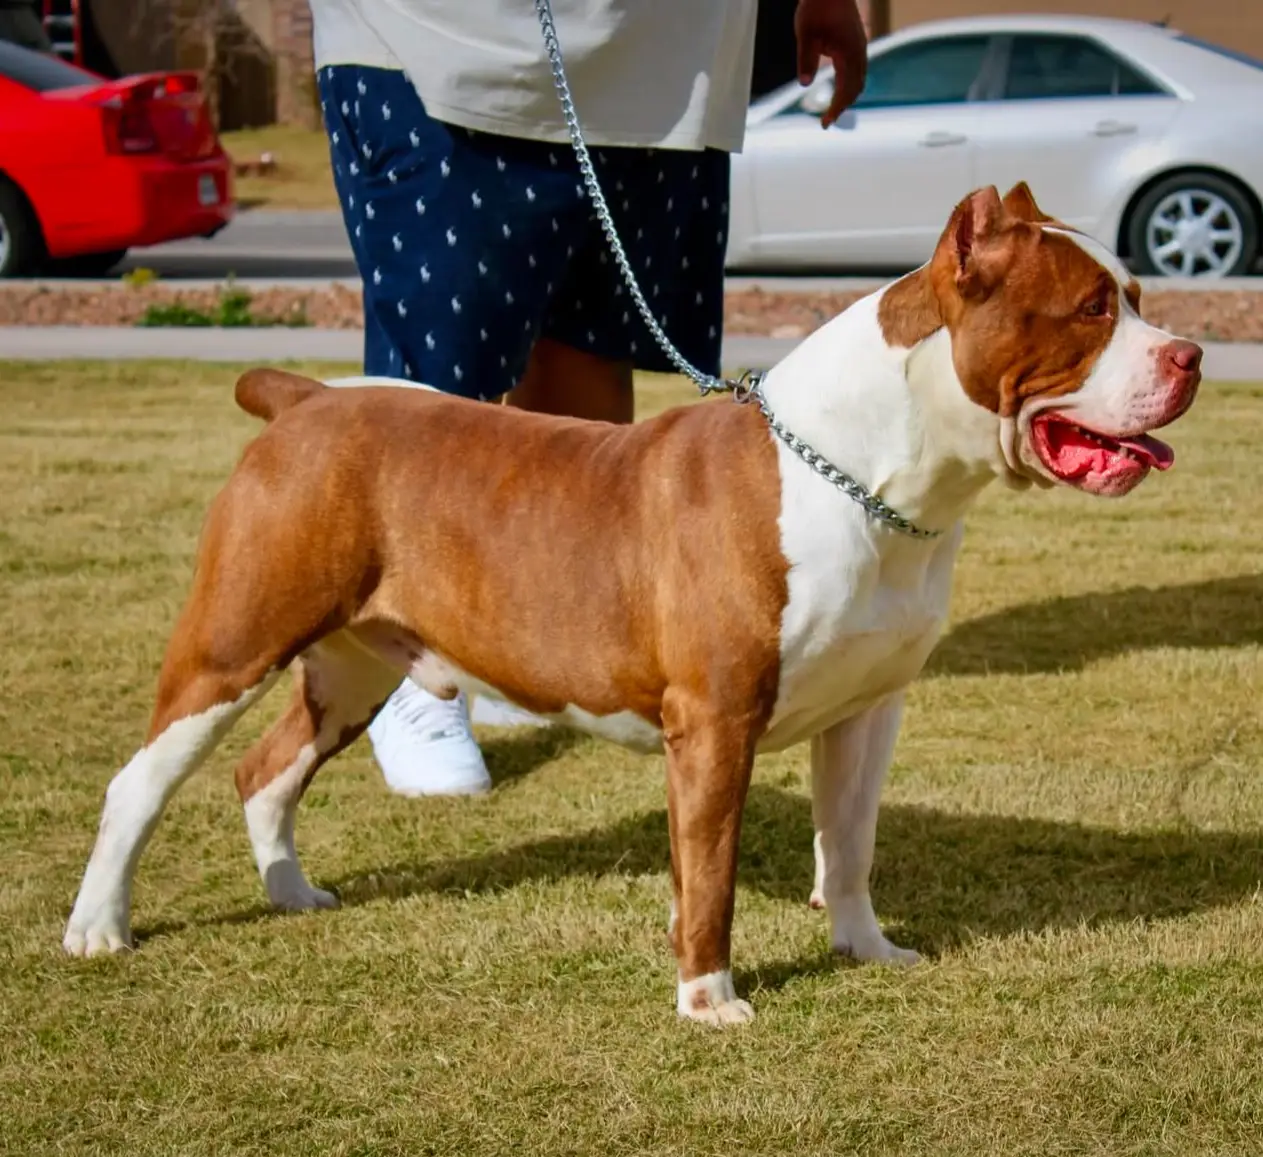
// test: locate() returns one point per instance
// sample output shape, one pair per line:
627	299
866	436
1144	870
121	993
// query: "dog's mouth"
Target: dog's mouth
1092	461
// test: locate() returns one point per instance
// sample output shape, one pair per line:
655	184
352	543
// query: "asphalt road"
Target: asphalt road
258	244
263	246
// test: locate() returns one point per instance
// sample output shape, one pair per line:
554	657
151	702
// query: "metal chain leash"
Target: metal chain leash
748	386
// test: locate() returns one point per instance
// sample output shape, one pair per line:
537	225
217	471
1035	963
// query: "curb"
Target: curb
1225	361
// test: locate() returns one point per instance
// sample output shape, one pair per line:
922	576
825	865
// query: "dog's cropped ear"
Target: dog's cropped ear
976	225
1020	201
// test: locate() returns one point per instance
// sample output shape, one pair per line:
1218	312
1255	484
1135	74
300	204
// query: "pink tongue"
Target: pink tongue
1156	453
1077	454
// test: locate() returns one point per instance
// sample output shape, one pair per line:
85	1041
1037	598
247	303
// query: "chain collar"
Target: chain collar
749	388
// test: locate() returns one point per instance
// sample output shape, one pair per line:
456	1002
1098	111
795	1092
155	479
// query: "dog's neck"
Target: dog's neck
896	419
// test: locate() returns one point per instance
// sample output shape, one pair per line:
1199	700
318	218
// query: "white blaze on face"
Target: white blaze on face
1125	392
1096	438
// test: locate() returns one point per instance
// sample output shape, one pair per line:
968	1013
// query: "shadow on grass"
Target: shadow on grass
156	931
1067	634
509	755
940	879
513	754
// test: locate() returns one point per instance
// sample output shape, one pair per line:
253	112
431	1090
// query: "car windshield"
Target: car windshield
1220	50
38	71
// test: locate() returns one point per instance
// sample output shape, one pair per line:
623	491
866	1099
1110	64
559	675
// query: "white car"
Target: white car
1143	137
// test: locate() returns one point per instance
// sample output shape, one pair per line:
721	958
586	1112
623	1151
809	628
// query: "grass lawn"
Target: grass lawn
303	178
1071	835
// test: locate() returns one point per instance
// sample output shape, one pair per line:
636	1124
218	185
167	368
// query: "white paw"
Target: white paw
289	891
304	899
96	936
726	1012
711	999
817	900
857	934
877	950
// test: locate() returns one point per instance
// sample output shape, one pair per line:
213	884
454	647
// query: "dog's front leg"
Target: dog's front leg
848	765
709	757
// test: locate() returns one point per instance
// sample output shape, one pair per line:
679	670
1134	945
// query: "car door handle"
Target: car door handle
939	139
1112	129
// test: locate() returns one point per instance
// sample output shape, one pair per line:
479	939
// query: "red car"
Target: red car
90	167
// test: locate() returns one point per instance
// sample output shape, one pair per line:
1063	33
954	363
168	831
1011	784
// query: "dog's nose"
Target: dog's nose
1181	358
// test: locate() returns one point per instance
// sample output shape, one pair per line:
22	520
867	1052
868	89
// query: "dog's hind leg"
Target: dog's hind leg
197	705
340	686
244	622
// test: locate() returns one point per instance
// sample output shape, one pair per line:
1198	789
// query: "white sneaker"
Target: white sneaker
424	747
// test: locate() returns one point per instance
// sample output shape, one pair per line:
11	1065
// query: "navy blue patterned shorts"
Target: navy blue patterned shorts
471	245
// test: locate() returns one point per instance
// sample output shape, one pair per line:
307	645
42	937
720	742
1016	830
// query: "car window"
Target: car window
926	72
39	72
1056	67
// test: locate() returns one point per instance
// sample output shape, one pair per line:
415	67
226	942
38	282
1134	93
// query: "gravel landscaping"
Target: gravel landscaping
1211	315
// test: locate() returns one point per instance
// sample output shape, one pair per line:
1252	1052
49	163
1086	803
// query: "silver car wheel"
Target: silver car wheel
1194	233
5	242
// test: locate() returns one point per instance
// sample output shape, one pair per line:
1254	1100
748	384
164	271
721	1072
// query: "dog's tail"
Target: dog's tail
266	393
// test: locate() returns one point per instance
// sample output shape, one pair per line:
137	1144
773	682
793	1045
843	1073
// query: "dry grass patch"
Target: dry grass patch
302	178
1071	834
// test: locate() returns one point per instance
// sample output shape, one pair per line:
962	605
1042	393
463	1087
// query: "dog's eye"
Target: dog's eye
1097	307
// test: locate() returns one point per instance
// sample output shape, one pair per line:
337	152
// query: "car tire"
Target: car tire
20	241
84	264
1194	225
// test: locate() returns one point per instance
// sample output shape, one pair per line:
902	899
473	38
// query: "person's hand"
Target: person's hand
832	28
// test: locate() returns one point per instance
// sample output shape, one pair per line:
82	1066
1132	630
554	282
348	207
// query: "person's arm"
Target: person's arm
832	28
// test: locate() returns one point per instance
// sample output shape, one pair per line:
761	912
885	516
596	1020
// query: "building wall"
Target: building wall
1236	24
255	55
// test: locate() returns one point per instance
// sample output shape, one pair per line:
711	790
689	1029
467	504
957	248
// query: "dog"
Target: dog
699	584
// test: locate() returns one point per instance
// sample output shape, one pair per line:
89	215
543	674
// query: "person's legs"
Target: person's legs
560	379
460	240
471	247
670	209
422	743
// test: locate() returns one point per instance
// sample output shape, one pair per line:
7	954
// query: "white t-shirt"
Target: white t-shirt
655	73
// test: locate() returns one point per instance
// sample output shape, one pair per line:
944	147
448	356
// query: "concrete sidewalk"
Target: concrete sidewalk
272	344
1225	361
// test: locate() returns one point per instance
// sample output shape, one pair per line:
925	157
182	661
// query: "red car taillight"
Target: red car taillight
127	127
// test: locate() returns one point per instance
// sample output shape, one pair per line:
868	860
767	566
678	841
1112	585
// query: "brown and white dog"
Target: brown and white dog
686	584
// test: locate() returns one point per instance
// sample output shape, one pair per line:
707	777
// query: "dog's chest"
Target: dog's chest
861	618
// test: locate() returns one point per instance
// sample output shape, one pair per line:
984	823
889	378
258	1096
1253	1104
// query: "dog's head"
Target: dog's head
1046	334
